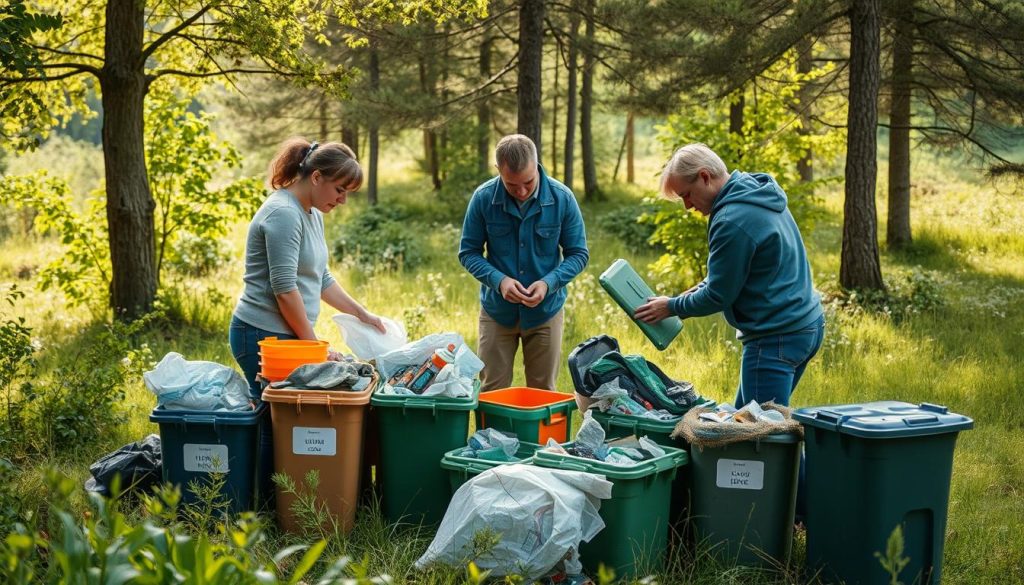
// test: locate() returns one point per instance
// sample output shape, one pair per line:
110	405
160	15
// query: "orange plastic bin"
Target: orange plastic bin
532	414
319	430
279	357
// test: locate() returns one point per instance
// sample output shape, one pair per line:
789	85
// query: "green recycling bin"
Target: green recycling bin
870	468
744	498
460	469
414	434
635	536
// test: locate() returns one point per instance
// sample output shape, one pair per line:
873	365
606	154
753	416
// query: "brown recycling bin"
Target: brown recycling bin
321	430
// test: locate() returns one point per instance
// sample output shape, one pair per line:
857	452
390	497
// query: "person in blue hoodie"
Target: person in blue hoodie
523	239
758	274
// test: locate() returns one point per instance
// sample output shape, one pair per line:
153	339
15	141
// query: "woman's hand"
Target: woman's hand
371	319
654	310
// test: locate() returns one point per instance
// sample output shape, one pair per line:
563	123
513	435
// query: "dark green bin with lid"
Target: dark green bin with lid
198	443
635	536
871	467
744	499
414	433
460	469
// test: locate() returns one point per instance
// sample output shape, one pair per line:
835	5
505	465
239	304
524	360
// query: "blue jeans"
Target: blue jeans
244	340
772	366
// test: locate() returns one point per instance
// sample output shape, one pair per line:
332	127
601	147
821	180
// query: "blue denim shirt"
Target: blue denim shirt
545	241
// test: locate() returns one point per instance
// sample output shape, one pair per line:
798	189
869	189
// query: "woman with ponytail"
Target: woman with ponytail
286	274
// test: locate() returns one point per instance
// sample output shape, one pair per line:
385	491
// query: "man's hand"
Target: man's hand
654	310
371	319
513	291
536	293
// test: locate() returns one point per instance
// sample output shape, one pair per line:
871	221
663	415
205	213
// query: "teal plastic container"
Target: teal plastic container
414	433
630	291
461	469
744	499
870	468
635	536
196	443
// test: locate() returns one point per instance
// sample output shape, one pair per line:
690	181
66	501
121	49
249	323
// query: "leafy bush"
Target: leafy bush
196	256
631	225
907	293
771	142
379	238
17	363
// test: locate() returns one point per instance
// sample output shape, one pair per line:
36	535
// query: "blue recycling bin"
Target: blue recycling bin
198	443
870	468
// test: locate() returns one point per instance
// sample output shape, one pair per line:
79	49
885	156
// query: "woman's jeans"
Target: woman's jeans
772	367
244	340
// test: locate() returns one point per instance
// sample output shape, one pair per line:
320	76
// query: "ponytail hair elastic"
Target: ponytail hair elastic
305	158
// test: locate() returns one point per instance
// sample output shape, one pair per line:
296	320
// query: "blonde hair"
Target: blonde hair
687	162
298	158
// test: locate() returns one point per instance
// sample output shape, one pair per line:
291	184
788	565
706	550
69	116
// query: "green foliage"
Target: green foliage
771	142
81	401
182	156
893	562
460	170
907	293
106	546
378	239
633	226
17	363
21	108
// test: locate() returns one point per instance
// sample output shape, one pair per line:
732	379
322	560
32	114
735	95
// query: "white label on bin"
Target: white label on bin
206	458
314	441
738	474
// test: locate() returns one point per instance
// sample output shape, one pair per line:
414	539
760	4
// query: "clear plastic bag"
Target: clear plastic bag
196	385
541	515
365	341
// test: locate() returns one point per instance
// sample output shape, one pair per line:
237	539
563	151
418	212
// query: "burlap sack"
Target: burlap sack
701	433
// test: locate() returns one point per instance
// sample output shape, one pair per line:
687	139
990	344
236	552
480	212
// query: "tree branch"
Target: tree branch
148	51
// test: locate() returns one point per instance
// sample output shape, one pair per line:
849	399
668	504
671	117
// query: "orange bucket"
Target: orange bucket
279	357
532	414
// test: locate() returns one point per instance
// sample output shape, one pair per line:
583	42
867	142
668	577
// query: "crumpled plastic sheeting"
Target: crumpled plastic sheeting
139	464
196	385
455	380
541	514
612	397
328	376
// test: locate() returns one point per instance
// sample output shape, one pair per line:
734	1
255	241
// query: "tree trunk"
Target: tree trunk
429	136
804	63
371	188
859	266
590	186
630	176
483	111
323	118
350	136
736	114
554	119
570	105
531	45
897	232
130	204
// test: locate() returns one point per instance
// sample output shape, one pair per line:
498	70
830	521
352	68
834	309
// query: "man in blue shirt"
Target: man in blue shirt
532	231
758	274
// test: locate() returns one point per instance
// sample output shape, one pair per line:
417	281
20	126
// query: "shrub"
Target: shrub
379	238
632	225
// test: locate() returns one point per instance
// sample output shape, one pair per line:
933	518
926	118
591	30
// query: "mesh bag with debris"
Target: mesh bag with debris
704	433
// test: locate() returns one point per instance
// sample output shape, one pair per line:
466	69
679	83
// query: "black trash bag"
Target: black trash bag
139	464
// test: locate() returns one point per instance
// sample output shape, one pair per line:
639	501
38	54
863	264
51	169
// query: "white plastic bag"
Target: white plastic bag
541	514
365	341
455	380
196	385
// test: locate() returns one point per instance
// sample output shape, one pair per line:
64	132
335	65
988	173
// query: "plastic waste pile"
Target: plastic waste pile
590	444
196	385
750	413
439	365
491	445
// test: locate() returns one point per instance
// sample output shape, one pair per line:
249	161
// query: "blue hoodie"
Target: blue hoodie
758	273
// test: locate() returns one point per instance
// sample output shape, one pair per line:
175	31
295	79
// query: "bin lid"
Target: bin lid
585	354
427	402
212	417
672	459
885	420
320	397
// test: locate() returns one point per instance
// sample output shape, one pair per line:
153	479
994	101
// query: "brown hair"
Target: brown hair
298	158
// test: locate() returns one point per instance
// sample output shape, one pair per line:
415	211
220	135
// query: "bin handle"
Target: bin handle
198	419
830	416
936	408
921	419
555	419
571	465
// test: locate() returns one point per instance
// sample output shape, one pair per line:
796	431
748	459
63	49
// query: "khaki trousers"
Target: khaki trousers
542	352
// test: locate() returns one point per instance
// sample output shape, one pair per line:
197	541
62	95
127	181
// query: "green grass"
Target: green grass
966	353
